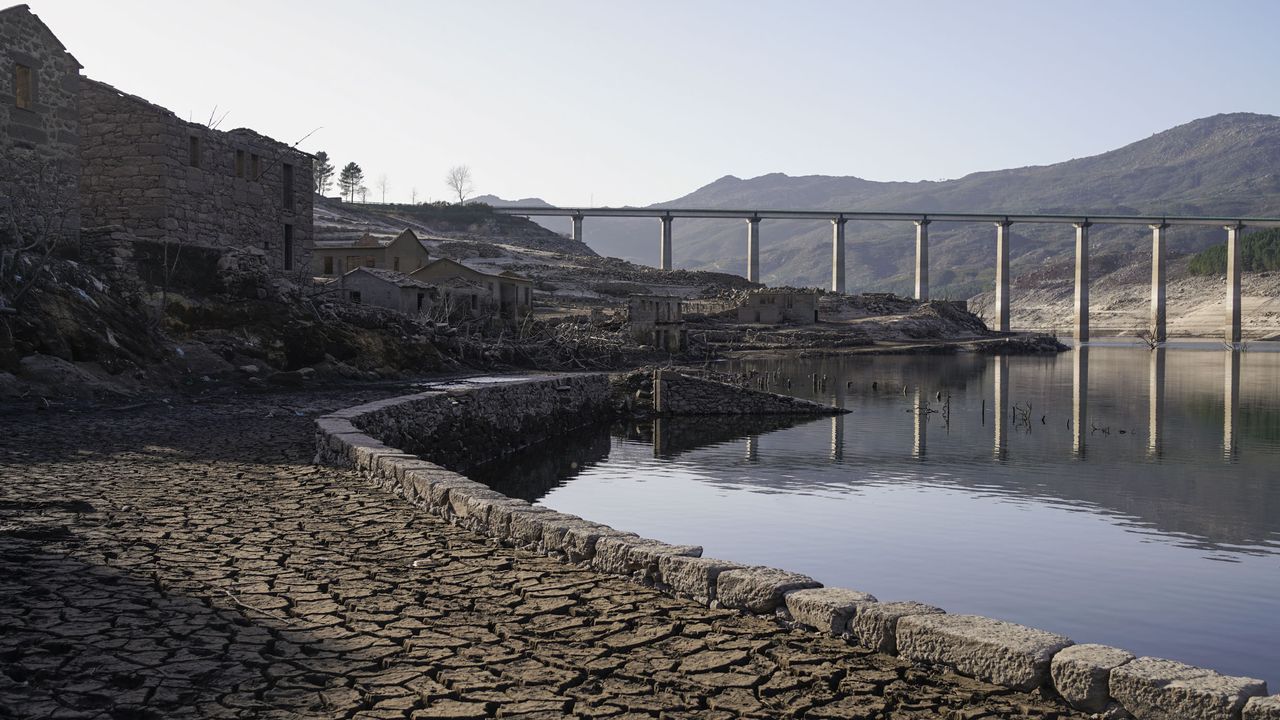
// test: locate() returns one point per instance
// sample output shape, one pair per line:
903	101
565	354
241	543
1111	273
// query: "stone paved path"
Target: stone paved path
190	561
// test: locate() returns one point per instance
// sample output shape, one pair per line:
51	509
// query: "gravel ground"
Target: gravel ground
188	560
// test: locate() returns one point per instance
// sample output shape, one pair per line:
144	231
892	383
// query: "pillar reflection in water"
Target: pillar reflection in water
837	425
1000	406
1079	399
659	446
753	448
1231	404
920	418
1155	405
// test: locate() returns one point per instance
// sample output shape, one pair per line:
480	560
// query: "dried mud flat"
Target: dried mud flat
190	561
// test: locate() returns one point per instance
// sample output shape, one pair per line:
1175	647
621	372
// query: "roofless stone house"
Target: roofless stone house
39	123
162	177
121	160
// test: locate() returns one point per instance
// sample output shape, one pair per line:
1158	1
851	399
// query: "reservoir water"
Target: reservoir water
1111	493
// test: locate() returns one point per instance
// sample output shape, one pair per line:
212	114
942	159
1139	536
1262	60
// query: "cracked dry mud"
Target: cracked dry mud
190	561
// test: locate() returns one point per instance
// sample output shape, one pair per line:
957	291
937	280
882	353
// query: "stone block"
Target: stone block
386	464
329	425
827	610
580	542
554	533
365	451
634	555
498	524
693	577
527	527
469	504
1082	674
1000	652
1262	708
875	627
442	490
758	589
1157	689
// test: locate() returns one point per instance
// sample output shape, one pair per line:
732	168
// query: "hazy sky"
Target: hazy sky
614	103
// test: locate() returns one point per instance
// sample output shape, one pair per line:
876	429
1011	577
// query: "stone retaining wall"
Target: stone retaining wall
677	394
449	423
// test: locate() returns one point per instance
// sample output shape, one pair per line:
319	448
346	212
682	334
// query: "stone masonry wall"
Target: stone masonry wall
1092	678
137	173
460	427
678	394
39	146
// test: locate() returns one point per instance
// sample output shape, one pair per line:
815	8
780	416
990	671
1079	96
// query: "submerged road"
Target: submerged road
188	560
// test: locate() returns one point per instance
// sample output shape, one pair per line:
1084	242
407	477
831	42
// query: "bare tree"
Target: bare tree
382	187
363	192
35	215
413	196
459	180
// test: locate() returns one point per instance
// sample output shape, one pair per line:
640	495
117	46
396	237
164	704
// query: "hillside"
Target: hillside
1221	165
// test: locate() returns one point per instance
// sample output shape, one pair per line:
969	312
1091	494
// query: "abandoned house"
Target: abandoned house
656	320
159	176
461	298
774	307
388	289
511	294
403	253
39	127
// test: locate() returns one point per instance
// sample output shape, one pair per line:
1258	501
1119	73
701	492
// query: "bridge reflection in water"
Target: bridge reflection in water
1084	492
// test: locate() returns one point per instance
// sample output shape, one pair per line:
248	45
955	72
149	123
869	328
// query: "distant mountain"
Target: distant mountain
1222	165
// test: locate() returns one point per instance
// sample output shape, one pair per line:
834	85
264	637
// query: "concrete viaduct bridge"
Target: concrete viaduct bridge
1002	222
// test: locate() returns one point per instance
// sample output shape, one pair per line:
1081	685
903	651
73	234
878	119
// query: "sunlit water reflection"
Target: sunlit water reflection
1113	494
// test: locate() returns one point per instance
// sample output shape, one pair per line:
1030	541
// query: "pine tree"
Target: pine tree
350	180
322	172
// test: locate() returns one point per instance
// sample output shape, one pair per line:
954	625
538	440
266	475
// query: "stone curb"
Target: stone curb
1090	678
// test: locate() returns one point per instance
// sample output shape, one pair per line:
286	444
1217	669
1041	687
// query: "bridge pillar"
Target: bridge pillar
664	250
1082	282
922	259
1158	269
577	228
837	254
1002	275
753	249
1233	282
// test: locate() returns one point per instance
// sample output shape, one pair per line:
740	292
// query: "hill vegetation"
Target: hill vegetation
1259	251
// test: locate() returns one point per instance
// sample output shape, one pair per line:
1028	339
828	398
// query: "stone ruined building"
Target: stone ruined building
159	176
510	293
403	253
389	289
656	320
39	128
772	307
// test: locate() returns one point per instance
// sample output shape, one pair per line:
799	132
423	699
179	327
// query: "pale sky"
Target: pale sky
612	103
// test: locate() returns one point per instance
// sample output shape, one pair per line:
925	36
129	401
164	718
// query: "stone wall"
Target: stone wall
675	393
39	145
462	425
161	177
1092	678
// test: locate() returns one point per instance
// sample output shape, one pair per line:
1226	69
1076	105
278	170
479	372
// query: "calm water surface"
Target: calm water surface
1113	494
